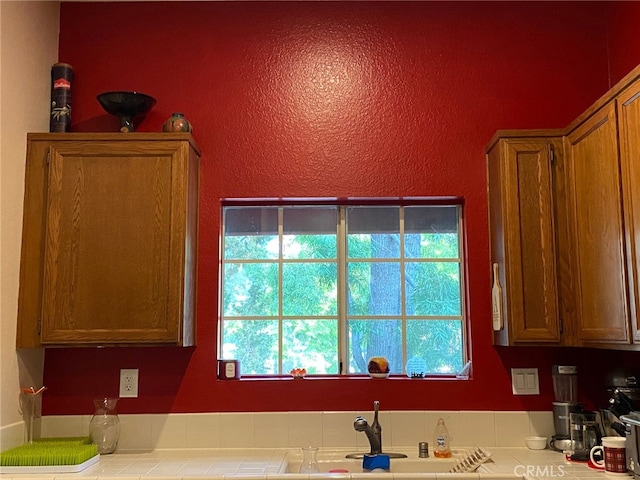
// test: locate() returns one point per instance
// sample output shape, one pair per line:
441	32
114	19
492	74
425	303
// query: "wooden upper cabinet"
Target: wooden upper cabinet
522	178
109	244
594	196
628	107
597	230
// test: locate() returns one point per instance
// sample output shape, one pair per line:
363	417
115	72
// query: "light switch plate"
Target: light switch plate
524	381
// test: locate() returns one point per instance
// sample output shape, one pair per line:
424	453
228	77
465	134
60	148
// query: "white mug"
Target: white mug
614	456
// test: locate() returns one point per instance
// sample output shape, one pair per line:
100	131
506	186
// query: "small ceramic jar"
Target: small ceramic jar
177	123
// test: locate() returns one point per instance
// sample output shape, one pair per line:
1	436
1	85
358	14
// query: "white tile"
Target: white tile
459	476
452	420
504	476
295	429
236	430
135	432
202	430
168	431
197	467
239	476
337	429
85	424
412	476
170	467
511	428
305	429
477	428
62	426
541	424
271	429
409	428
12	435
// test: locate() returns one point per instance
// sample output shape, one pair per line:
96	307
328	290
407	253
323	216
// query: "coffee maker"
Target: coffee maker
565	390
585	434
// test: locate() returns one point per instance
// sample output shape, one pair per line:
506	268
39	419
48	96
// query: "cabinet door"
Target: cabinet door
114	247
595	204
629	124
522	217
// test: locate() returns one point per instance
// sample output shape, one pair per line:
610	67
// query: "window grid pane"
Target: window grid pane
402	290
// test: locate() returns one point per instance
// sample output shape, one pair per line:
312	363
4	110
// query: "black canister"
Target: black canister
61	78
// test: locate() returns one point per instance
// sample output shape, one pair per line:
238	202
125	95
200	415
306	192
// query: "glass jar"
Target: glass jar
309	460
104	427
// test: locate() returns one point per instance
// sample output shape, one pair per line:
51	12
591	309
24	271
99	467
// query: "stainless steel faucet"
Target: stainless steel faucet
373	433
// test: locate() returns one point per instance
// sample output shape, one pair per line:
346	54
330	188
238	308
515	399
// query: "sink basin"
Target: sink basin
398	465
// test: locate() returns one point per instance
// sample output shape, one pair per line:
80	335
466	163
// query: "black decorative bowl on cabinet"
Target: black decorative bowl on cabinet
126	106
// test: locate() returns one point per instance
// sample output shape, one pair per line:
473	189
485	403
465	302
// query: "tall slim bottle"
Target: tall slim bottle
441	444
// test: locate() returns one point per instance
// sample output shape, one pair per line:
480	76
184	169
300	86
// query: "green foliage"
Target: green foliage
437	342
250	289
310	246
310	344
250	247
309	289
254	343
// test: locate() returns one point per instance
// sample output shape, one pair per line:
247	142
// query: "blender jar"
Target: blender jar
565	383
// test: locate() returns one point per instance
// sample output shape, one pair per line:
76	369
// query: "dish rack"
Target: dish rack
471	461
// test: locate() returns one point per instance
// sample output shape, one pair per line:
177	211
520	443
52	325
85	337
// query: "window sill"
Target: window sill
393	378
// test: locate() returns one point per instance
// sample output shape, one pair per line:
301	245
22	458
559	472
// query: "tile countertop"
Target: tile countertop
267	464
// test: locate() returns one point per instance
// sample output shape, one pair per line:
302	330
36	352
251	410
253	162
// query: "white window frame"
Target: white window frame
342	263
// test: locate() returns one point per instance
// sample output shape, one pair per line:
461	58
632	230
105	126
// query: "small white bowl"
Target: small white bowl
536	443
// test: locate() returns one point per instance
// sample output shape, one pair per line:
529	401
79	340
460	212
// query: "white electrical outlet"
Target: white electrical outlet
129	383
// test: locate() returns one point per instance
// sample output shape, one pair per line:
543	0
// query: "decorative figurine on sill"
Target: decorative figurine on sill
416	367
378	367
298	373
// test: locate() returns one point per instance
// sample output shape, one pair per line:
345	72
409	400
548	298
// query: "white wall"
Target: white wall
29	46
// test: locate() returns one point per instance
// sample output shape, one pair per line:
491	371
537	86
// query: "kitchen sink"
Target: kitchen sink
398	465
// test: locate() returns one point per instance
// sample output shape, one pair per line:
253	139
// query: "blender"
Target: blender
565	390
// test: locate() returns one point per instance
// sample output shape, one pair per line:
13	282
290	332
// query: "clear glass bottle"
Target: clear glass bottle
309	460
104	427
442	445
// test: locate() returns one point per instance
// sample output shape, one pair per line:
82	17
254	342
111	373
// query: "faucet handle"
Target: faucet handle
360	424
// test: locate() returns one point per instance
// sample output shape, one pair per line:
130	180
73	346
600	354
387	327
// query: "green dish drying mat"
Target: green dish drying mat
50	455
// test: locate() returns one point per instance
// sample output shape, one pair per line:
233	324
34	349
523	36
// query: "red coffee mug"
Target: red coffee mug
615	456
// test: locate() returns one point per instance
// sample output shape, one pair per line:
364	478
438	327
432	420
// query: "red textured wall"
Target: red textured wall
622	37
330	99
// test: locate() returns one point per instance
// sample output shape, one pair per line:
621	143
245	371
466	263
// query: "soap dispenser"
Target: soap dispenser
441	445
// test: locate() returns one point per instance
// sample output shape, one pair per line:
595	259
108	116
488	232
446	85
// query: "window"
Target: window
326	287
